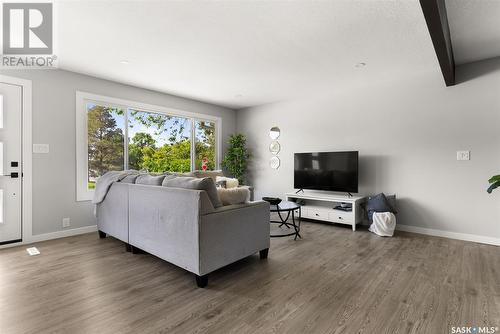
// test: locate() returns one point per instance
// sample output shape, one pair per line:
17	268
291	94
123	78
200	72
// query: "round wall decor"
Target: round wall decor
275	147
274	133
274	162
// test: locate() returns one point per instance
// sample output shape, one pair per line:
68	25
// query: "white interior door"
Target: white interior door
10	163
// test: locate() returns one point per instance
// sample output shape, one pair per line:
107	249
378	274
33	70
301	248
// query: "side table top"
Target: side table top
285	206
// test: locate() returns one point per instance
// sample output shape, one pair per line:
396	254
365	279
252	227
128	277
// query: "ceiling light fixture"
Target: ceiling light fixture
359	65
125	62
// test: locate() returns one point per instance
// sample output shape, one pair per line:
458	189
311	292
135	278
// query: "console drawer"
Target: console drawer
341	217
317	214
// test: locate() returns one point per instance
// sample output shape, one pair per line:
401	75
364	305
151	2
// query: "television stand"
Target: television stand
321	206
300	190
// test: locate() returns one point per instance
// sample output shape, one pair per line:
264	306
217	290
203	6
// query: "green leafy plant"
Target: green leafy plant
494	183
237	156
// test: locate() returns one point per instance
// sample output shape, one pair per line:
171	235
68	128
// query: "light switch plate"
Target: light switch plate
33	251
41	148
463	155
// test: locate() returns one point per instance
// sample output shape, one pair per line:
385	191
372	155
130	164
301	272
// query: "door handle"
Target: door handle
13	175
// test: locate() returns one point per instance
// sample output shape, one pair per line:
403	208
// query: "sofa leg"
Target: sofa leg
128	248
136	250
202	281
102	235
264	253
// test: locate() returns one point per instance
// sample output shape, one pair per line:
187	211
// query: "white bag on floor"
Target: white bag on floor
383	224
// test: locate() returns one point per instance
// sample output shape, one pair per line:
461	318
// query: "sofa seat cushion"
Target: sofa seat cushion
230	196
150	180
195	183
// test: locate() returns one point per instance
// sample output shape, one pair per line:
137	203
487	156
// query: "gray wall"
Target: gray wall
407	133
54	174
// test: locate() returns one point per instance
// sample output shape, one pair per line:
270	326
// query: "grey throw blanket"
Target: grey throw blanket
104	183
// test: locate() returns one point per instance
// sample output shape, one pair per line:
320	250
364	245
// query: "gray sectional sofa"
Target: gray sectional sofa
183	227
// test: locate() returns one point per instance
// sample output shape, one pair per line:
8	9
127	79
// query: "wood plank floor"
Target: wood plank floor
332	281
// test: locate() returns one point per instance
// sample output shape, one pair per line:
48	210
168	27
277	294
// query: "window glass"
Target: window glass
204	145
106	133
120	136
158	142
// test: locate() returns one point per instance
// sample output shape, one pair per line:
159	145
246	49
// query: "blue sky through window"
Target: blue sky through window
178	127
161	137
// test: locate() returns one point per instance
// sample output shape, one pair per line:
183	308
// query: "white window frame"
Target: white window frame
82	98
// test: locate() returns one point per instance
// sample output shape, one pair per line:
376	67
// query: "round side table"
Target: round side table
288	208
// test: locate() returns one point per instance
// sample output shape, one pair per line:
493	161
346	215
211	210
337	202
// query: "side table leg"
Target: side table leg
300	217
297	230
284	220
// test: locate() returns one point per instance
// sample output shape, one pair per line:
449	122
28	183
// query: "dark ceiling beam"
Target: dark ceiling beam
437	23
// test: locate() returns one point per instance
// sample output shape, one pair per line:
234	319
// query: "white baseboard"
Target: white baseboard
407	228
452	235
53	235
62	234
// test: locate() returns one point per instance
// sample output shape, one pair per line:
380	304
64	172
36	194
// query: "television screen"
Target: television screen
333	171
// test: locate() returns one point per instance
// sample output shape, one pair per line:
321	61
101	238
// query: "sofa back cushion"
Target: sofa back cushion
151	180
194	183
130	178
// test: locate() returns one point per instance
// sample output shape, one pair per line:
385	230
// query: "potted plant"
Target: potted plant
494	183
236	158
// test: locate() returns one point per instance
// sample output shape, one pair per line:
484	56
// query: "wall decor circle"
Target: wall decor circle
274	162
274	133
275	147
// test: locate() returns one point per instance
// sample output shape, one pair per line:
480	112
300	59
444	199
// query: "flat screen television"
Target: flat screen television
332	171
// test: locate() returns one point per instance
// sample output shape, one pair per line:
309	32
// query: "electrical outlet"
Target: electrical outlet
463	155
66	222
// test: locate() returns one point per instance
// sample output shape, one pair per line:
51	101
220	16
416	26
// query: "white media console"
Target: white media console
321	206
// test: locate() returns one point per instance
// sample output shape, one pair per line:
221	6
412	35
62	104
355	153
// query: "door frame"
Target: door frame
27	159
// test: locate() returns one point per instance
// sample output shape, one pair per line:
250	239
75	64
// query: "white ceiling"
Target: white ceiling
244	53
474	29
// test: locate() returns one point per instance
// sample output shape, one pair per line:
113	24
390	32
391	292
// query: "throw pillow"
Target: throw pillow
194	183
234	195
221	184
230	183
378	203
392	202
151	180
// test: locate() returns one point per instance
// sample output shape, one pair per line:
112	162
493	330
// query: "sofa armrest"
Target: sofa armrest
231	233
112	213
